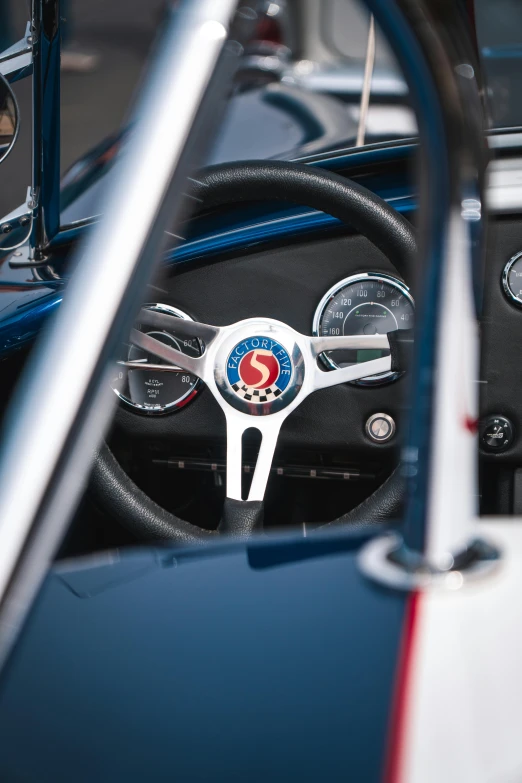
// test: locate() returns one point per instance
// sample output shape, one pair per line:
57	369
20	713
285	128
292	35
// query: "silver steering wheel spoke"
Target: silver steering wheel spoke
196	365
354	342
237	425
192	364
324	378
171	323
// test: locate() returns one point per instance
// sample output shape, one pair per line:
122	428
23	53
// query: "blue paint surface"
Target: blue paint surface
502	52
285	223
20	327
272	661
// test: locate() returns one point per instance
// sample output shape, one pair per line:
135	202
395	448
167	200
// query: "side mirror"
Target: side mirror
15	227
9	119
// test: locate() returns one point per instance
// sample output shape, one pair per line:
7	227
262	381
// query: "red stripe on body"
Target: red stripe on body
397	738
471	424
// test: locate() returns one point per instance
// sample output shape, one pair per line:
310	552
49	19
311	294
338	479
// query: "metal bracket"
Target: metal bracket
23	256
388	562
17	61
15	227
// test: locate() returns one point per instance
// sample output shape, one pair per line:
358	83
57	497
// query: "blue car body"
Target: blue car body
273	660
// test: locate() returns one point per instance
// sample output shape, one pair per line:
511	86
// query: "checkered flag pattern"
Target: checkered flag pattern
256	395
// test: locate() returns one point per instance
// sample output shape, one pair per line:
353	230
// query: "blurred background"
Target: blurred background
300	80
302	47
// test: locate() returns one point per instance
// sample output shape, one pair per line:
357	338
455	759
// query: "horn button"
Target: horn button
263	373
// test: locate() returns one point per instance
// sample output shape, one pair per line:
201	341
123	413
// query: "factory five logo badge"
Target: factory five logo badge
259	369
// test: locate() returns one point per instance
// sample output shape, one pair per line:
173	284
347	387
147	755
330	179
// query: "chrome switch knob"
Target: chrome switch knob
380	427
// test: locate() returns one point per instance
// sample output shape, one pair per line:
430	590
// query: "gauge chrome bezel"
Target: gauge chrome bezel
172	407
373	380
510	296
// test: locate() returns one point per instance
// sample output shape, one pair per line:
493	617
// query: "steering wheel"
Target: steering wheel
259	370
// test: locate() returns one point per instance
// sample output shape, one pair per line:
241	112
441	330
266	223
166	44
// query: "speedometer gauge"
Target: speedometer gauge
150	385
369	303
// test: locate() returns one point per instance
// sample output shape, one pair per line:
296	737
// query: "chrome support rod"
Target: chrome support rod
439	459
367	84
63	401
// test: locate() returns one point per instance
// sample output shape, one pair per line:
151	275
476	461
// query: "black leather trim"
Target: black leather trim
114	490
338	196
257	181
385	504
241	518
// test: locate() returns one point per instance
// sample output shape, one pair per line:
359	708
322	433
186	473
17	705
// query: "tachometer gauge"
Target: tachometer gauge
154	390
369	303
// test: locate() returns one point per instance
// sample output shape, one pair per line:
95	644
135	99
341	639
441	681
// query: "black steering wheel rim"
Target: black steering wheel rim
314	187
